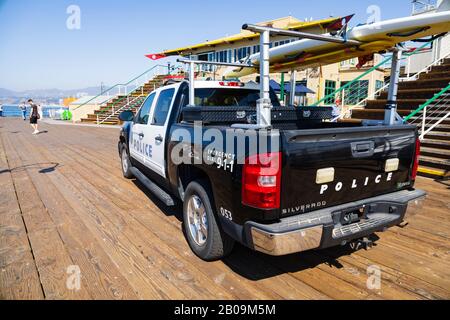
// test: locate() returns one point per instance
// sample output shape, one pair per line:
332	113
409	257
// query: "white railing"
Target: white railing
433	115
423	6
129	87
115	112
362	103
426	69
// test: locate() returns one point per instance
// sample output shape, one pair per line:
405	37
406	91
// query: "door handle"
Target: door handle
363	149
159	139
141	135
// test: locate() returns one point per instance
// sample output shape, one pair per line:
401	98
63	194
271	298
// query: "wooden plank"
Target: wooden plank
51	258
102	278
127	246
127	259
354	261
19	277
162	232
155	245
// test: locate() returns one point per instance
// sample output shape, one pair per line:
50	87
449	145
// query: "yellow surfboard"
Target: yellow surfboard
375	37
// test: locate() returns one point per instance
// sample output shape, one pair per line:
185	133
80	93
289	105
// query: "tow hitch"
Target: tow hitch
363	243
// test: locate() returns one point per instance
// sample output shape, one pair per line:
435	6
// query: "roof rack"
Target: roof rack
264	105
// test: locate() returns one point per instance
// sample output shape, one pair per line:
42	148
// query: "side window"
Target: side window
144	113
162	107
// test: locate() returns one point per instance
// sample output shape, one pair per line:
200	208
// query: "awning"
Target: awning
299	89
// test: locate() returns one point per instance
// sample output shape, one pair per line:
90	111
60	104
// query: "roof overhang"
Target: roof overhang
325	25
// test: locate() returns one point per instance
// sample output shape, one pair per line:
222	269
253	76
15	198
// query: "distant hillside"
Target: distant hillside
53	93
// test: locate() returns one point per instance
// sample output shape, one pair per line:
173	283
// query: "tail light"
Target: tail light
416	161
261	181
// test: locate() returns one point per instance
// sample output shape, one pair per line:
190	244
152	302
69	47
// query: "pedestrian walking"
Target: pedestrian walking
23	109
34	117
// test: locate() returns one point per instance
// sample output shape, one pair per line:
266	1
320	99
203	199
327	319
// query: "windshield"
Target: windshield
210	97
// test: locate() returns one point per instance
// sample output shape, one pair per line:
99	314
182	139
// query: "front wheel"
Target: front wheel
204	236
126	163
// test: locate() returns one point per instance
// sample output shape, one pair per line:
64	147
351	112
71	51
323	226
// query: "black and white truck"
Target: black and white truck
324	185
279	180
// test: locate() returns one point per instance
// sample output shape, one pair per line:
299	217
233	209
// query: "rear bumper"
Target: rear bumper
324	228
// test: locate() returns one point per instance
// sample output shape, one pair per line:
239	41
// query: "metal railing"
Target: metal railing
124	88
427	68
423	6
351	95
115	112
432	113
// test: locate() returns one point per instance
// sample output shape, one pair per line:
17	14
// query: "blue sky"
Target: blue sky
37	51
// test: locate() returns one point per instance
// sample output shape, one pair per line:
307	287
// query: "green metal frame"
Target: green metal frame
374	68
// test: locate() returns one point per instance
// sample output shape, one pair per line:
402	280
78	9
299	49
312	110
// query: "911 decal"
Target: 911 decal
223	160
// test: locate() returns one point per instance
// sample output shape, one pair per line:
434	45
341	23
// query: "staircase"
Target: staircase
108	113
435	155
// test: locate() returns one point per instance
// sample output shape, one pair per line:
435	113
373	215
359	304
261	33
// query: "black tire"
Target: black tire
125	162
218	244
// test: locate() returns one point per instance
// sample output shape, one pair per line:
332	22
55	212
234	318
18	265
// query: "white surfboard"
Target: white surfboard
375	37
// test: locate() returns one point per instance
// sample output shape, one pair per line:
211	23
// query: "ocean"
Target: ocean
13	111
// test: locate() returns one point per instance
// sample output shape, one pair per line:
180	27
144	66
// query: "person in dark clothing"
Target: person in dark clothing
34	116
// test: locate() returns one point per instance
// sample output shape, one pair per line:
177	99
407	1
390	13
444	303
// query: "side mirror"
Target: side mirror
126	116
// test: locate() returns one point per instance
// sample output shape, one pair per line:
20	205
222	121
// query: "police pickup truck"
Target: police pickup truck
304	183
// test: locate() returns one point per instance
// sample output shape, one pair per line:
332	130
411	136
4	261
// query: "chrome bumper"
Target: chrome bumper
287	243
322	228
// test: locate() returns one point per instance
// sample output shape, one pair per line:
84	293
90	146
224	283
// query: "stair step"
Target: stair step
425	93
434	75
435	153
441	68
438	144
440	127
433	172
436	163
437	135
405	104
427	83
378	114
417	120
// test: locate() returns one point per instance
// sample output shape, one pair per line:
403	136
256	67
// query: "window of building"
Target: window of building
330	88
358	91
242	53
378	85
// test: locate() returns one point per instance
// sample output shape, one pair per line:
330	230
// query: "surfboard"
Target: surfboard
375	38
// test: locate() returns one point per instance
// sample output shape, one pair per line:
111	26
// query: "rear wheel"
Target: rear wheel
126	163
203	233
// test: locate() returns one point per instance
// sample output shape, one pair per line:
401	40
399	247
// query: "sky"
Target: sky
39	51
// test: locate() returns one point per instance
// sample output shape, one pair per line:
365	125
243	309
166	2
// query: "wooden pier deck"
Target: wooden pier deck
63	202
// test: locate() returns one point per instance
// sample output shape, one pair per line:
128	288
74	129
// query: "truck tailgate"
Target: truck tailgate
328	167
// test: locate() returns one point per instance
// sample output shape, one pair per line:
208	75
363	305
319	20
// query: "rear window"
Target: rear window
210	97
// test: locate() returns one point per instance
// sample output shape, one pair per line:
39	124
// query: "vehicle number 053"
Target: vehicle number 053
226	214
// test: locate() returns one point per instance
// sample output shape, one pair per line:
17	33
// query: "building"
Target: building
438	49
322	80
